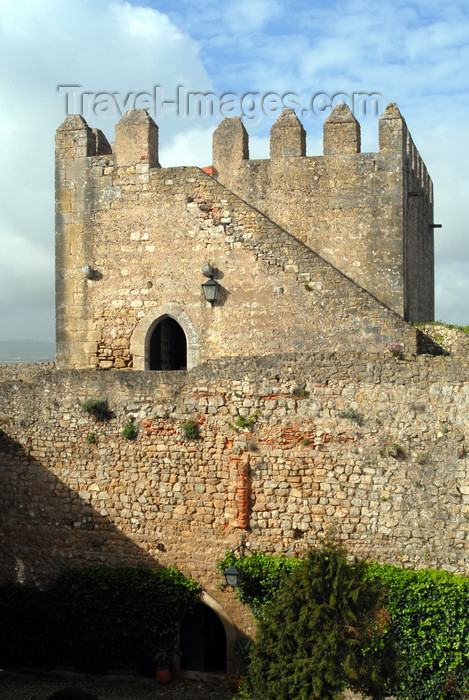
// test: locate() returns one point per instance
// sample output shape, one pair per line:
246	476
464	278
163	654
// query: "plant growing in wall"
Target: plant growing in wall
353	415
300	393
129	431
396	350
244	422
191	430
397	451
394	450
98	408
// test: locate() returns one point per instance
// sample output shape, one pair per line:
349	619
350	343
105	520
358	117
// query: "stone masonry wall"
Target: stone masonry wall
369	214
375	449
131	250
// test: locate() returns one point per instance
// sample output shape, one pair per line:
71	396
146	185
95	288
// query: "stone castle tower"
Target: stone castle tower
309	253
305	423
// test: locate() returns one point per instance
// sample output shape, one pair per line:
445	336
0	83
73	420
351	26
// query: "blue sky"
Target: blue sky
415	54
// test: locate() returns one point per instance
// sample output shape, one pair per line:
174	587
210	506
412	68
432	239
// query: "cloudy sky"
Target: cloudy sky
412	53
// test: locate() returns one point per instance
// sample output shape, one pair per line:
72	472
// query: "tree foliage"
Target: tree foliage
428	613
324	631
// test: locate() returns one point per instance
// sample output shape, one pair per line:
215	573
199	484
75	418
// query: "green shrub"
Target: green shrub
430	623
324	631
191	430
129	431
98	408
261	577
94	618
109	616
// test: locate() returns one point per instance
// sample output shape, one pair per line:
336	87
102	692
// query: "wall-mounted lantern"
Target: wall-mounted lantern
232	573
210	289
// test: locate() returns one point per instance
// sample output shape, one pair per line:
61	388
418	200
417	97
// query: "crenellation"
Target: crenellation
341	132
136	141
230	146
74	138
392	130
287	136
102	146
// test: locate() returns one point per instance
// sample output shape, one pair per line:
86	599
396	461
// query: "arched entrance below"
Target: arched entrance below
203	641
168	346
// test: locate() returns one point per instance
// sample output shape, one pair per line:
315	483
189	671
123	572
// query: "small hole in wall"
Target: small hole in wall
149	285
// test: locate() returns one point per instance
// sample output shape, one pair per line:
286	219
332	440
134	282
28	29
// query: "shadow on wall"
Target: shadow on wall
46	526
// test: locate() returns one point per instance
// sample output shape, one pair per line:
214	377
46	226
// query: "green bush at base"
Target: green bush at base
429	621
93	618
323	632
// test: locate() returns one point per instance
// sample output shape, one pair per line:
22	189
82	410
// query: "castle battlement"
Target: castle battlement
322	251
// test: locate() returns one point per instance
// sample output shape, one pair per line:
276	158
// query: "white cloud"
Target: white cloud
415	53
189	147
251	15
103	46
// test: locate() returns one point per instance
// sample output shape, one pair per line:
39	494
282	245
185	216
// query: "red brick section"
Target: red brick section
243	492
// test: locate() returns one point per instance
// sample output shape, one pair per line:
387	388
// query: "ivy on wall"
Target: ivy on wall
430	619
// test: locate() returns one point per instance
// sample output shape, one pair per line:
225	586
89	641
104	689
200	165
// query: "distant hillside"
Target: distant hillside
26	351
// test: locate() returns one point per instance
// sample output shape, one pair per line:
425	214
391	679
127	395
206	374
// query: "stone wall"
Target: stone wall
373	448
369	214
131	241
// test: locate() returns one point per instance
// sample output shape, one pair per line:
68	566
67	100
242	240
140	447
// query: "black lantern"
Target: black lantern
210	289
232	573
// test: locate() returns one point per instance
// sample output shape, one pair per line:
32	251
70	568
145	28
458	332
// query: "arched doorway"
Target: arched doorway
142	334
168	346
203	641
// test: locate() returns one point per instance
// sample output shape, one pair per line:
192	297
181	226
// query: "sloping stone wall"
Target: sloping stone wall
369	214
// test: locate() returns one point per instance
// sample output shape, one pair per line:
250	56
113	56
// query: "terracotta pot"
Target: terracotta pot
234	682
163	675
